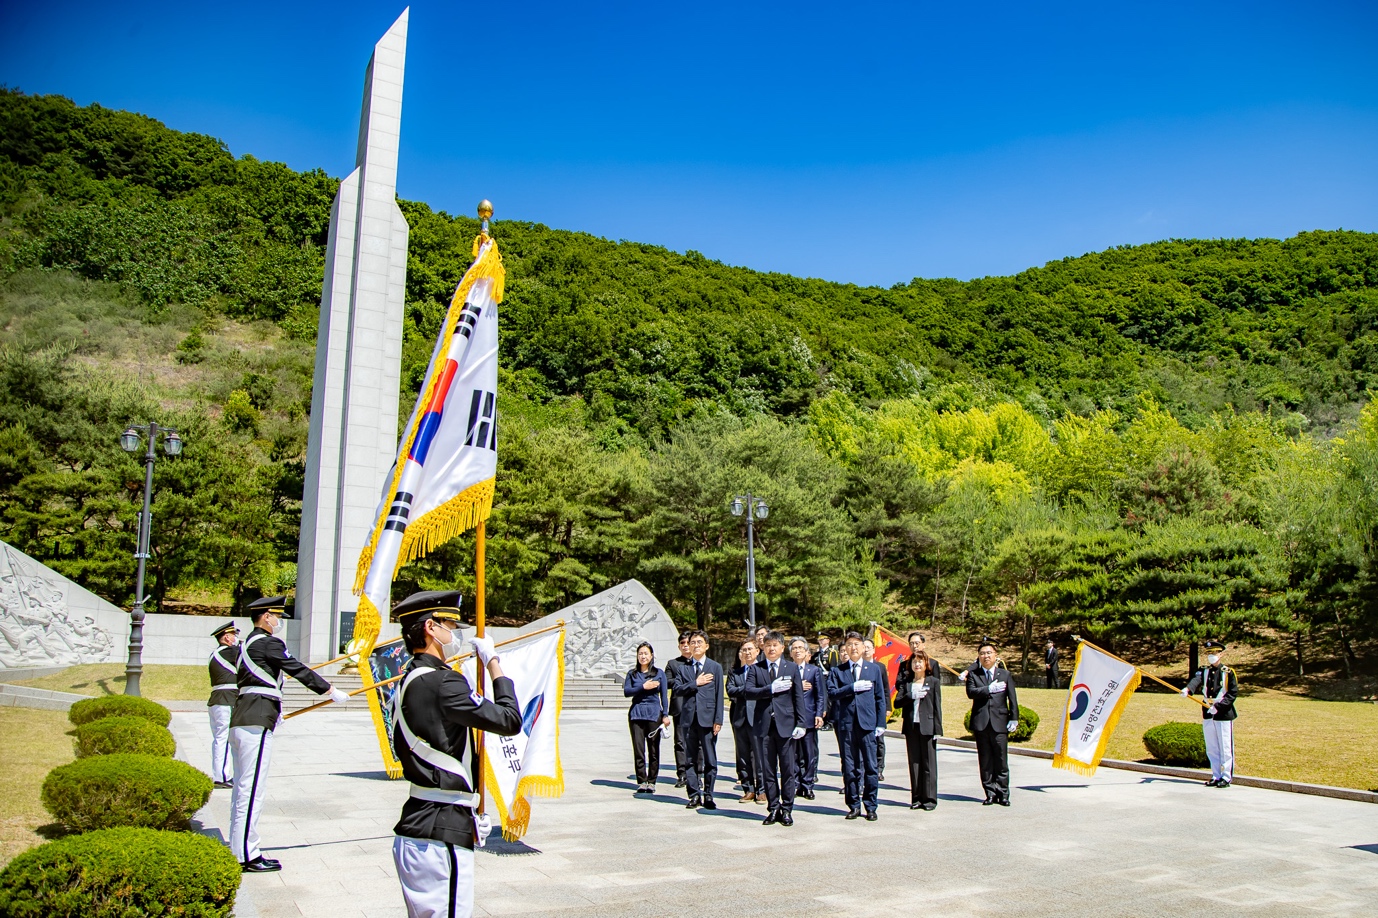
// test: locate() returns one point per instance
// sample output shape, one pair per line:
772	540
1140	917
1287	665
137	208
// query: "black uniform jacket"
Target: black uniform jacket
930	719
1207	682
442	710
785	710
991	711
672	672
742	707
224	678
270	654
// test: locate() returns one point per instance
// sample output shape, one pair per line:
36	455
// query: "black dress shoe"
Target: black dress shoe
930	806
679	782
271	860
771	819
786	819
693	804
1003	801
989	801
916	806
1222	783
1212	782
708	804
807	794
853	814
223	784
871	816
260	865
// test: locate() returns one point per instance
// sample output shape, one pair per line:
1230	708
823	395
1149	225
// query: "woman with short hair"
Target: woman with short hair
921	703
650	711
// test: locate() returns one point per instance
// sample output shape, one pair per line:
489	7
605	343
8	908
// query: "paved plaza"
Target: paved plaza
1120	843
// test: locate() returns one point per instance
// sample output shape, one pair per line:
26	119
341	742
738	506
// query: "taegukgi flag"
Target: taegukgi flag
442	481
1101	686
516	768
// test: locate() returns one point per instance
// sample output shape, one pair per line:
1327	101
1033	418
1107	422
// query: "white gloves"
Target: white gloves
1010	727
1186	693
1211	711
920	691
880	731
997	687
483	648
798	733
483	825
862	685
338	696
962	676
781	684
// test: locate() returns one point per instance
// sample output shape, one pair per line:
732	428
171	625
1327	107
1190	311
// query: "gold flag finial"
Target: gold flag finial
485	212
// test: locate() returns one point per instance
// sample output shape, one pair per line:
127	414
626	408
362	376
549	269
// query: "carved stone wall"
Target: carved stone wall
46	620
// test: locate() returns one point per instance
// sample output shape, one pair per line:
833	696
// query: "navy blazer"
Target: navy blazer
784	709
702	704
647	704
742	707
991	712
816	698
867	710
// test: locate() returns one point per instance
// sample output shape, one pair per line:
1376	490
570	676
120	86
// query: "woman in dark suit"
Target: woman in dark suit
921	703
650	711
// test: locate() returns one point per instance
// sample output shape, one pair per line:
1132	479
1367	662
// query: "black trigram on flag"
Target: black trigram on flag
483	425
398	513
468	318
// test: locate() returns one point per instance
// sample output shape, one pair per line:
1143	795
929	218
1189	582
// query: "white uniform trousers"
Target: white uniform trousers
437	878
1220	748
253	750
221	770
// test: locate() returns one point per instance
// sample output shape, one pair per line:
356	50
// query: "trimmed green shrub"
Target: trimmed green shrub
106	791
92	709
1028	723
120	873
1176	743
111	735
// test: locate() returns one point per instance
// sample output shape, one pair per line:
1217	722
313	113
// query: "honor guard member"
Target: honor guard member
433	711
1217	684
224	667
263	660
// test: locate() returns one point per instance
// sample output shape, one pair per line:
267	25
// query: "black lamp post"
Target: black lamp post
130	441
754	508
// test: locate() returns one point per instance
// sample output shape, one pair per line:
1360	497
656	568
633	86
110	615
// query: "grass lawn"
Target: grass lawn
1276	736
34	743
159	682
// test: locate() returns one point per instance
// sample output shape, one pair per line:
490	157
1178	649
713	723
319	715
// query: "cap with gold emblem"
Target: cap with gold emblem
442	605
268	604
225	629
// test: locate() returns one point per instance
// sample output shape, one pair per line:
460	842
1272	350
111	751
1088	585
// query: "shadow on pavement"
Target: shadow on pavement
501	847
1371	849
365	775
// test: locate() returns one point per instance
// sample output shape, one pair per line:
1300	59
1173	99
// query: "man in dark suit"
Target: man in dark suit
743	708
1050	664
854	691
778	690
994	716
916	645
673	670
700	682
868	653
815	709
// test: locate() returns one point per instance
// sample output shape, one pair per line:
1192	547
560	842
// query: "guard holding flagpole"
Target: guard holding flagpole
434	708
224	670
1217	684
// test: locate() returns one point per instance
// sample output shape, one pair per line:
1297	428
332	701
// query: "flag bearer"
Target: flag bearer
224	668
1217	684
434	709
257	712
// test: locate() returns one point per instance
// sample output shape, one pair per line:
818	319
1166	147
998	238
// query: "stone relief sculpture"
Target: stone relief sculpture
602	632
36	626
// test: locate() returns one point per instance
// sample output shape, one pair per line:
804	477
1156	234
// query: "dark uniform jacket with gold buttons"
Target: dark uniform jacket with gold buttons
224	667
441	709
260	696
1207	682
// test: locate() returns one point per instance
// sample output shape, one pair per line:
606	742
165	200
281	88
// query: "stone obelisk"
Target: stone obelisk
353	438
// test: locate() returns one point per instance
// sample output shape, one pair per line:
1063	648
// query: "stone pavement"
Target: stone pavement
1117	844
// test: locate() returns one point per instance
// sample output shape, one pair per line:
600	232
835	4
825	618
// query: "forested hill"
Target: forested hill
1155	443
1283	326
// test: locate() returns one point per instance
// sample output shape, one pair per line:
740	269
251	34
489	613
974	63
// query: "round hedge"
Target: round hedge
106	791
118	873
1176	743
92	709
1028	723
111	735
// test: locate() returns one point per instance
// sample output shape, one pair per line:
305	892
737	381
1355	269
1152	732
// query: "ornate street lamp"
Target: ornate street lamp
130	441
755	508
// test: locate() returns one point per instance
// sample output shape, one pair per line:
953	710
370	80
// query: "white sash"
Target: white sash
217	658
428	753
271	687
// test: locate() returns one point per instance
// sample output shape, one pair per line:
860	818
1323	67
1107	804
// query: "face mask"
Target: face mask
1213	659
452	647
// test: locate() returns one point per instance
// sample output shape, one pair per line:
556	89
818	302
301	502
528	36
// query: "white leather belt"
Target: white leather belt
256	690
436	795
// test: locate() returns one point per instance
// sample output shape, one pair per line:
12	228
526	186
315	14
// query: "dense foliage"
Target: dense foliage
1176	743
92	709
125	789
1156	443
115	873
1028	723
112	735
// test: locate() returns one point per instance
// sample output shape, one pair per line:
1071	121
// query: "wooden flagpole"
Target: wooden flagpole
1175	690
481	537
460	658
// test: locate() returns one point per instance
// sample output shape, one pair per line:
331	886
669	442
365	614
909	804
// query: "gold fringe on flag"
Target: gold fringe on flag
516	821
368	619
490	267
1075	765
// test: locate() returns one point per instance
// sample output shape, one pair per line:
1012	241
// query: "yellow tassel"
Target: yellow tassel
1061	760
367	624
489	267
457	515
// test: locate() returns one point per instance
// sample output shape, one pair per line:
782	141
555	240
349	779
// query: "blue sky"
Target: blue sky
862	142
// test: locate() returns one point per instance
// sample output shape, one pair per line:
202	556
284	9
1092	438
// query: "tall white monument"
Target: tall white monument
353	438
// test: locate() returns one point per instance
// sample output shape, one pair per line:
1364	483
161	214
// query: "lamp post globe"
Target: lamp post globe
753	508
129	440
